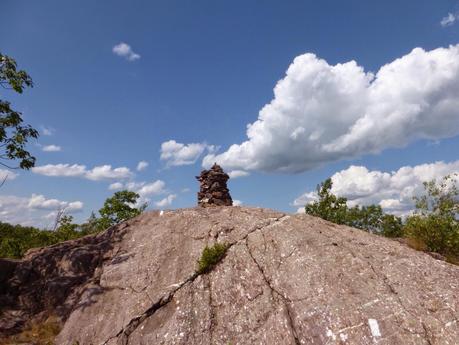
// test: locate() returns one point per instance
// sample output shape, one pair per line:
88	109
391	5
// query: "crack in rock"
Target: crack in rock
283	298
125	332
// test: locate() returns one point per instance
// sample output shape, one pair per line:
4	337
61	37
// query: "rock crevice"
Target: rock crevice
290	279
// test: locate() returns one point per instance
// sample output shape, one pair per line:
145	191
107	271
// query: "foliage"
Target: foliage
211	256
435	222
119	207
37	333
14	135
370	218
91	226
16	240
329	206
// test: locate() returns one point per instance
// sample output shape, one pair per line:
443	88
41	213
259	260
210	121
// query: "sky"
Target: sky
143	95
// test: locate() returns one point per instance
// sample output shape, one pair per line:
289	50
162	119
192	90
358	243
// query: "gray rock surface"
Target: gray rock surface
285	279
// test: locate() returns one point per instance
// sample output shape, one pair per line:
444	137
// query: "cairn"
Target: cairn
213	190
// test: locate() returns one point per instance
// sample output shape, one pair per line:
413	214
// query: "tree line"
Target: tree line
432	227
16	240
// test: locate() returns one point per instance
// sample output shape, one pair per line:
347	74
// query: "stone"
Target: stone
213	190
285	279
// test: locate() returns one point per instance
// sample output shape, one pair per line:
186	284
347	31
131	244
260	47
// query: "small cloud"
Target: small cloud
166	201
115	186
51	148
142	165
237	202
124	50
185	190
6	175
103	172
48	131
177	154
74	170
238	173
449	20
152	188
39	202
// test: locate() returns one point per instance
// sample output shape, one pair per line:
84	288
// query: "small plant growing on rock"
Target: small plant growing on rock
211	256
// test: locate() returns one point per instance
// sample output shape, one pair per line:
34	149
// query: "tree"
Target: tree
67	229
370	218
435	222
91	225
329	206
119	207
373	219
14	135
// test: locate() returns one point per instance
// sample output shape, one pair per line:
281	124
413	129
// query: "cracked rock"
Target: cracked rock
285	279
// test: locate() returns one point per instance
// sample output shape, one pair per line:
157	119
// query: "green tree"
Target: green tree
369	218
14	135
15	240
67	230
435	222
329	206
119	207
91	225
391	226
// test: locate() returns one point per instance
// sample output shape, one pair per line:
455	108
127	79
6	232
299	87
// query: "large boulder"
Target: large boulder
285	279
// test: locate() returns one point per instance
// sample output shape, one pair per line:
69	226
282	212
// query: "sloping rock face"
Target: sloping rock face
49	281
285	279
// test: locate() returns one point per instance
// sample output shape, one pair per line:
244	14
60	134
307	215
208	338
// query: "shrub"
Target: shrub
211	256
37	333
435	222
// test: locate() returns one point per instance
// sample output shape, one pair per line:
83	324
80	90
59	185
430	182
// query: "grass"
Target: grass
211	256
37	333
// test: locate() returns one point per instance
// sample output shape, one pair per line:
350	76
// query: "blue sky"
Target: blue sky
198	73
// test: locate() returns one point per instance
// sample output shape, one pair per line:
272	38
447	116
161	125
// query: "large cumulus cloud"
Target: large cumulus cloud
322	113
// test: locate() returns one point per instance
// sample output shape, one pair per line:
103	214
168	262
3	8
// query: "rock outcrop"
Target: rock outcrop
50	280
285	279
213	190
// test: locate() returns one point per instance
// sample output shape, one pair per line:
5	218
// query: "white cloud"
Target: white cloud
322	113
51	148
142	165
115	186
152	188
238	173
67	170
124	50
449	20
176	154
394	191
237	202
34	210
39	202
7	175
167	201
103	172
48	131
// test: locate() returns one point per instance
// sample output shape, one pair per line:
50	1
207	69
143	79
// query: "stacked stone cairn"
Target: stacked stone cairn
213	190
